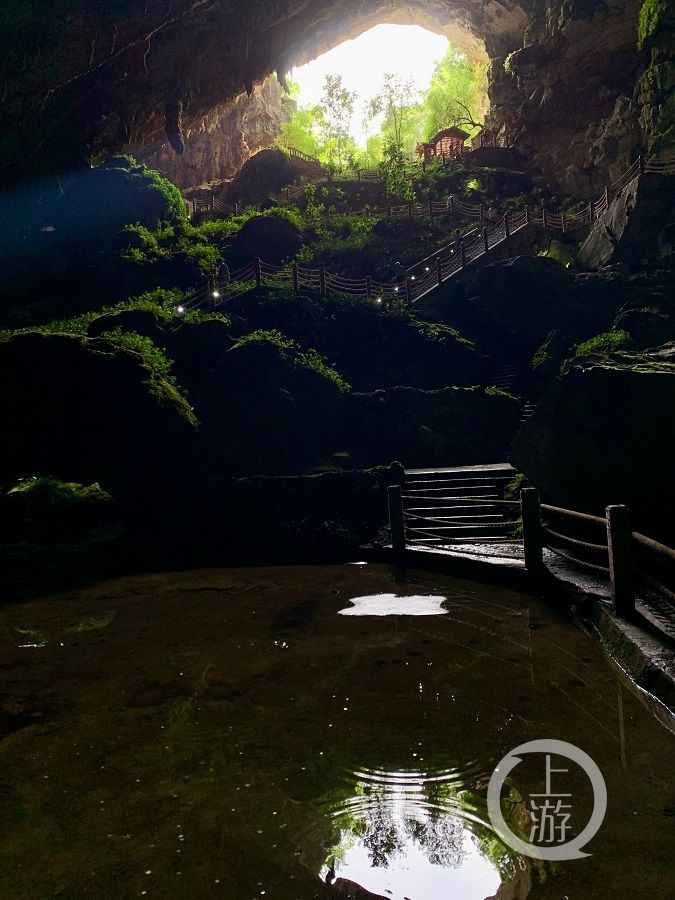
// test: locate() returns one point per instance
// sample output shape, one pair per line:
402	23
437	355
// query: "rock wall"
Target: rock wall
558	94
216	147
87	80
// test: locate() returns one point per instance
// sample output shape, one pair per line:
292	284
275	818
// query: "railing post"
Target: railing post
544	218
530	511
395	502
641	164
527	215
358	174
369	287
258	273
294	269
591	212
431	209
507	225
482	213
439	270
562	220
607	197
408	290
452	204
322	281
620	560
462	251
486	244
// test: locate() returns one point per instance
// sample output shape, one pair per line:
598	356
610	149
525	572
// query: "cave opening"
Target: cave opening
438	63
347	94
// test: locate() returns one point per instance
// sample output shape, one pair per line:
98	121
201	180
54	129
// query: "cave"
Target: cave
337	556
560	83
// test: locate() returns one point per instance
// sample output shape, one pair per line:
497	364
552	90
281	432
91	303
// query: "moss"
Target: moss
649	17
306	359
161	302
514	487
603	343
54	491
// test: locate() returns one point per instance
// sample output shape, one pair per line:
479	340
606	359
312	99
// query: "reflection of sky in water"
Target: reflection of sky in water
412	834
393	605
410	872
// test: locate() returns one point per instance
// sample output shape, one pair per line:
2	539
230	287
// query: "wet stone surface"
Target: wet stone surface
227	733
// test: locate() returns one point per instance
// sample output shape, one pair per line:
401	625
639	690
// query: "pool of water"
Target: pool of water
309	732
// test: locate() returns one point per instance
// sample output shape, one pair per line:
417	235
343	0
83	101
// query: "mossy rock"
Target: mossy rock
272	238
87	411
142	321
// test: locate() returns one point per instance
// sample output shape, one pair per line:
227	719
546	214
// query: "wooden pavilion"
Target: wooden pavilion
446	143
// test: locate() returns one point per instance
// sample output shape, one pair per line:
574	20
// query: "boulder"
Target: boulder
274	239
637	229
264	173
263	410
602	434
142	321
372	348
511	306
83	410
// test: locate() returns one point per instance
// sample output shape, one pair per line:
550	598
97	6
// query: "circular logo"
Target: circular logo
549	811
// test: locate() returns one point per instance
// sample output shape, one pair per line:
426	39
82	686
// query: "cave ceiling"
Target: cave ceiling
85	80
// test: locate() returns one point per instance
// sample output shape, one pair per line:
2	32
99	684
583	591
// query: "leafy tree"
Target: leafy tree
396	98
393	168
337	105
457	94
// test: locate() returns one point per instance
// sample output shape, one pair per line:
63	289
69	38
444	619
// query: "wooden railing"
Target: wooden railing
627	560
424	276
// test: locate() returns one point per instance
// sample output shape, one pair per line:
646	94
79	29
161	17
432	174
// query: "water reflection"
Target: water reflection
416	833
393	605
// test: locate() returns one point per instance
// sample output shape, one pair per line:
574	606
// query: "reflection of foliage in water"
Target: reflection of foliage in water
434	817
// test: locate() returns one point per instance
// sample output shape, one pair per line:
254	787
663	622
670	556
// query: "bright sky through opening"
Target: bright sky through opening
407	50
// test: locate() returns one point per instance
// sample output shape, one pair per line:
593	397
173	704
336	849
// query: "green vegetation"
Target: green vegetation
168	242
457	95
289	349
651	12
161	302
603	343
54	491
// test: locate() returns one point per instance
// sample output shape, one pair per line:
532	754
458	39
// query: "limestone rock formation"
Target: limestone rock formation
602	434
87	80
637	229
85	411
217	146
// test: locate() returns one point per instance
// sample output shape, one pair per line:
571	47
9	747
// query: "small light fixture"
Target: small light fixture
412	277
426	269
180	310
215	294
396	289
379	299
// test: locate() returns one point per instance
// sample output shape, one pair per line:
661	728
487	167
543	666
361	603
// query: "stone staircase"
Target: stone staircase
512	378
441	495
